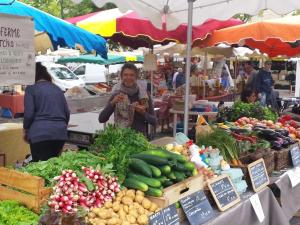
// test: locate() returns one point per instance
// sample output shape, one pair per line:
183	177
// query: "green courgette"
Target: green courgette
189	166
162	179
152	159
172	176
139	166
155	192
166	155
180	167
195	172
165	170
179	176
151	182
155	171
135	184
168	183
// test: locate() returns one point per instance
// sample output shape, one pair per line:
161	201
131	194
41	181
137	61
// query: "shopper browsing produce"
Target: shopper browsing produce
46	116
130	103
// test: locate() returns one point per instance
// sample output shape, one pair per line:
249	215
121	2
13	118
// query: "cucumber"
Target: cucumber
155	171
179	176
165	169
154	192
168	183
172	176
177	204
152	159
188	173
189	166
180	167
195	172
166	155
139	166
135	184
149	181
162	179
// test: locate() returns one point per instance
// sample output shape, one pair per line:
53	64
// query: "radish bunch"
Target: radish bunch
93	190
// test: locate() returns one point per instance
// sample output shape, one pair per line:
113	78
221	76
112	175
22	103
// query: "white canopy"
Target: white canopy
176	10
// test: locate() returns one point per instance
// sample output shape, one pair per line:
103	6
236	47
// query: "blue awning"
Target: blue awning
61	32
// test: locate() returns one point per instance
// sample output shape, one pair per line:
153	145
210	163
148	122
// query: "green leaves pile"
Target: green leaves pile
68	160
12	213
222	140
241	109
116	145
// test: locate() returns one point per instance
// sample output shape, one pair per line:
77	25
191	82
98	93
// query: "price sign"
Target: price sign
223	192
166	216
295	155
197	208
258	175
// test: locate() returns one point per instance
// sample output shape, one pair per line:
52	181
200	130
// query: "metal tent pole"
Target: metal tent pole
188	66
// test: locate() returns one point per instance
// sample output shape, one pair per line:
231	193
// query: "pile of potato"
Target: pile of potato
130	207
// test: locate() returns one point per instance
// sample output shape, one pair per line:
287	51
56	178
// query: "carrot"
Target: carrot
234	162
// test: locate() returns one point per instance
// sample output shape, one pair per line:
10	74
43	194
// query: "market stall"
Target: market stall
13	102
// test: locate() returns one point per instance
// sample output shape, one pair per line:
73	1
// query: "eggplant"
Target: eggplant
285	144
282	132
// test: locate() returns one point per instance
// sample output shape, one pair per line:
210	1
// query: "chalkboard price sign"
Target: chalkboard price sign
223	192
295	155
197	208
166	216
258	175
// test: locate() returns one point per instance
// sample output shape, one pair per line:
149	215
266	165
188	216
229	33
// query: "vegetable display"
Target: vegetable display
88	189
151	171
129	207
67	161
115	145
241	109
12	213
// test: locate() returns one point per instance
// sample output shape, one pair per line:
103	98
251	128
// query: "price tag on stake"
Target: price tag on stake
256	204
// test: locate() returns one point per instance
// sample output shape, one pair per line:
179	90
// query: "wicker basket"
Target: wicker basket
282	158
266	154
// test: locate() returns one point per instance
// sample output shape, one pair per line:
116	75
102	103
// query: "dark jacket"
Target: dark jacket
140	121
264	81
180	80
46	113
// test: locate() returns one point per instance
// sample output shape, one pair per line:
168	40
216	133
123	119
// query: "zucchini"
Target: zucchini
189	166
168	183
135	184
165	169
179	176
166	155
188	173
140	166
162	179
180	167
172	176
195	172
152	159
155	171
147	180
154	192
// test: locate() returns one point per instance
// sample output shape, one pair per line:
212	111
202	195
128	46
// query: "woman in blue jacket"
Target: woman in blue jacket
46	116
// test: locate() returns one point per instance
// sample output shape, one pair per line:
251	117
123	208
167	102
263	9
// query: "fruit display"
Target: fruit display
129	207
88	189
151	171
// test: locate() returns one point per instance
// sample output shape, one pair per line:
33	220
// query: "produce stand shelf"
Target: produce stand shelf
23	188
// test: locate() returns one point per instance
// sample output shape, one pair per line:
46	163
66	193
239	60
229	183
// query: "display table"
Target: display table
15	103
289	197
191	113
243	213
12	143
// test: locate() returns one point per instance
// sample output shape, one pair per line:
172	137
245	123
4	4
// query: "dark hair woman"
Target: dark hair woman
130	102
248	96
46	116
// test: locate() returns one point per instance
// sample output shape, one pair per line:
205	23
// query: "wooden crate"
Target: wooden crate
178	191
24	188
2	159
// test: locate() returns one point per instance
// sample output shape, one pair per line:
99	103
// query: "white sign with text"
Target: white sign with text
17	56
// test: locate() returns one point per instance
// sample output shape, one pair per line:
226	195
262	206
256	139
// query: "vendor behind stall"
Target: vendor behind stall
130	103
46	116
248	95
